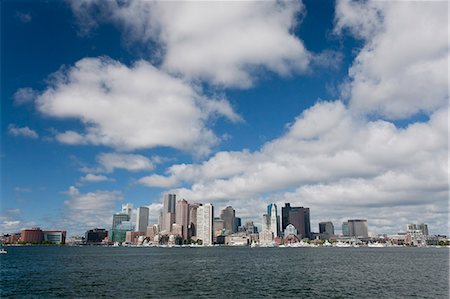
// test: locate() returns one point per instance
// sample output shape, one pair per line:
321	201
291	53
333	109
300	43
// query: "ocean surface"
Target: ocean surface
225	272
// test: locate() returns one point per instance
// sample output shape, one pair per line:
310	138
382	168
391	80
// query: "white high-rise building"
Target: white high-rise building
127	209
142	219
205	220
274	219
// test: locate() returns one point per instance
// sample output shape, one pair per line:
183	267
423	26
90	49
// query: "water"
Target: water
225	272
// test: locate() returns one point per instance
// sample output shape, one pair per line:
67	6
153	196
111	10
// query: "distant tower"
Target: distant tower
192	226
118	218
274	219
182	217
168	213
358	228
142	219
228	215
205	219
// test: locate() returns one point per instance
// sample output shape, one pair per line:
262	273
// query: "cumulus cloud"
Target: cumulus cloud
224	43
330	158
24	95
93	178
89	210
131	108
25	132
111	161
402	68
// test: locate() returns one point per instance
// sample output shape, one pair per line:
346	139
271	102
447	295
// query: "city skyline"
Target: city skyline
106	103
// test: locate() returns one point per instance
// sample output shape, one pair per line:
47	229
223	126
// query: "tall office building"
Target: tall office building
127	209
182	217
192	227
168	213
118	218
358	228
326	228
274	219
298	217
228	215
142	219
205	216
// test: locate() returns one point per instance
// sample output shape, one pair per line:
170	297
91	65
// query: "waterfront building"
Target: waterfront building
127	209
152	231
266	237
125	225
326	228
298	217
168	213
95	236
55	236
182	217
416	234
345	229
422	227
358	228
192	231
228	216
142	219
117	235
205	216
118	218
34	235
133	237
274	224
290	230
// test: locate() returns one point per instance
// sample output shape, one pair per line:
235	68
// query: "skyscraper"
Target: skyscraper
326	228
274	219
118	218
142	219
168	213
298	217
358	228
192	227
205	216
182	217
228	216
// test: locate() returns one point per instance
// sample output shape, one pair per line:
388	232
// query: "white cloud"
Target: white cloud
330	158
110	161
131	108
403	67
24	95
224	43
93	178
89	210
22	132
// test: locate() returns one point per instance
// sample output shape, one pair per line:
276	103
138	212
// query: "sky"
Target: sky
341	107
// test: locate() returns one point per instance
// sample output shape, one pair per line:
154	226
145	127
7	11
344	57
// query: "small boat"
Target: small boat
3	251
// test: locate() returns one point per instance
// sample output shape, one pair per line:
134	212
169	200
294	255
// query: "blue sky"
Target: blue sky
331	105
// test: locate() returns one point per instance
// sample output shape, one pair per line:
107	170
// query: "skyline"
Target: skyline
340	107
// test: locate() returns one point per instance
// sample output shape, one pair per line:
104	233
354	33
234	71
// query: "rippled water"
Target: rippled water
225	272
